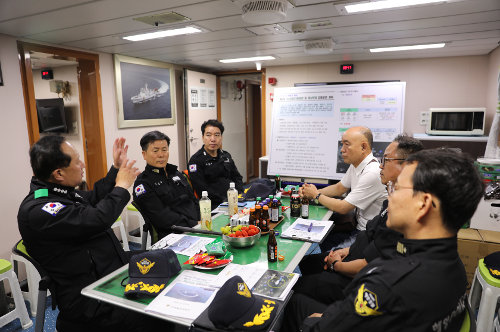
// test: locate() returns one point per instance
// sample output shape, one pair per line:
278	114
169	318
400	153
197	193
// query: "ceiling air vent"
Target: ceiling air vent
264	11
320	46
165	18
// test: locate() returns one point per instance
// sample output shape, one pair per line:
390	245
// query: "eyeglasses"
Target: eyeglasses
391	188
384	159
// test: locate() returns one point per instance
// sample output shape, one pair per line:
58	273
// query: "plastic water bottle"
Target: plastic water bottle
205	211
232	200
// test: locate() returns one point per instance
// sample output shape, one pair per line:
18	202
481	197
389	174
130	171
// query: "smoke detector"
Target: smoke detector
318	46
264	11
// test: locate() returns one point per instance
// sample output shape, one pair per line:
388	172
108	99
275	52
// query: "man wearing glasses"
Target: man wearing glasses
362	178
326	275
211	169
420	286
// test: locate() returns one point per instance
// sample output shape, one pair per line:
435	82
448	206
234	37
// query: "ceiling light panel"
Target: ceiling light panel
365	7
270	29
255	58
406	48
163	33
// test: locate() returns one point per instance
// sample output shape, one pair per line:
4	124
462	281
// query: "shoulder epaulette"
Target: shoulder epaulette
41	193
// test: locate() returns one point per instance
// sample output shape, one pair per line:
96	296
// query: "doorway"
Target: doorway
254	130
88	92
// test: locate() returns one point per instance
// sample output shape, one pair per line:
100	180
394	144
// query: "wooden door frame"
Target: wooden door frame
24	50
249	83
262	97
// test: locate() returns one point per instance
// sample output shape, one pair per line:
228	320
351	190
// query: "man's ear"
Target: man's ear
426	201
364	146
58	175
144	154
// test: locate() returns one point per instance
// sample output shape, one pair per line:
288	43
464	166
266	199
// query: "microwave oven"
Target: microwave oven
456	121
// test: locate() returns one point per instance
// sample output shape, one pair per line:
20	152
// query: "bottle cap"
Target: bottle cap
258	206
258	199
204	193
231	185
266	207
252	209
275	200
271	196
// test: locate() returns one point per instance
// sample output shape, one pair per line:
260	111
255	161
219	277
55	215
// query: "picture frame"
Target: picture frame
145	92
1	77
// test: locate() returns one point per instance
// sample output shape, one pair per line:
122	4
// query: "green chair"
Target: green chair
484	294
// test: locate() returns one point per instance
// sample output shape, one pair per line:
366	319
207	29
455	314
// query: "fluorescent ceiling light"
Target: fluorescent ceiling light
405	48
163	33
386	4
255	58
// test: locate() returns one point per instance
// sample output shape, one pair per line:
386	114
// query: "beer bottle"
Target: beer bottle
272	247
271	197
280	212
305	207
264	219
258	210
251	216
258	200
277	183
295	204
274	211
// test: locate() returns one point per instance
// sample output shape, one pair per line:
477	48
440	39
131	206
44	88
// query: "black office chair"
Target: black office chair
147	229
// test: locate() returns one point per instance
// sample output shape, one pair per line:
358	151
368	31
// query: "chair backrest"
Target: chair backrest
20	249
469	324
186	175
152	230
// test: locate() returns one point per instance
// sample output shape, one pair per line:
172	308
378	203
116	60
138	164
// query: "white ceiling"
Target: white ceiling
472	27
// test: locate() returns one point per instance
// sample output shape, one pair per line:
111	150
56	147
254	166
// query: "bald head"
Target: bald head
356	145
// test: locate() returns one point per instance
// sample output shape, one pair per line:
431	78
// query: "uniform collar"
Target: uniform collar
362	165
52	188
444	248
171	169
205	154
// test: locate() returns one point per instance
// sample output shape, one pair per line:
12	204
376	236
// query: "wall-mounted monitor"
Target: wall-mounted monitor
51	116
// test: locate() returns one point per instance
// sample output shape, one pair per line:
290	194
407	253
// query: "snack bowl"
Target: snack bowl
242	242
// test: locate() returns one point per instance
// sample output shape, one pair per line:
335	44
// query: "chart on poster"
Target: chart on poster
308	123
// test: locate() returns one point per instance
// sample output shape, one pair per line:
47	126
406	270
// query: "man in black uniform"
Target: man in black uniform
211	169
327	287
68	232
161	191
422	285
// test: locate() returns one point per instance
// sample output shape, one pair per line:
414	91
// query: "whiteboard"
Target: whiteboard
308	123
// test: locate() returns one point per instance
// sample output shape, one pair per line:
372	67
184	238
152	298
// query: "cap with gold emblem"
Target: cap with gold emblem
149	272
235	307
492	262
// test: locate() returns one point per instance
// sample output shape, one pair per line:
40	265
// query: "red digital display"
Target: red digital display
346	67
45	73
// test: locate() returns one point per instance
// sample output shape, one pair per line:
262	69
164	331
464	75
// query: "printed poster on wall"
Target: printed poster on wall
201	97
308	124
194	97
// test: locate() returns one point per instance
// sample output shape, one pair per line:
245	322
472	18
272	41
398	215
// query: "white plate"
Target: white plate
212	268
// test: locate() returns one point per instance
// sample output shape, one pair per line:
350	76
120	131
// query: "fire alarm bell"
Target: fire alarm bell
272	80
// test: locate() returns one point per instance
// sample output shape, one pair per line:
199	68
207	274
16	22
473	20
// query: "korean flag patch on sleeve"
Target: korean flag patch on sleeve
53	208
192	168
139	190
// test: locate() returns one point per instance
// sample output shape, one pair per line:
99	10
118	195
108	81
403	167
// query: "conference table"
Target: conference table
109	288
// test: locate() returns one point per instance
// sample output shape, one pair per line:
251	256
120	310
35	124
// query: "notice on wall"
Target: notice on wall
194	97
308	124
201	97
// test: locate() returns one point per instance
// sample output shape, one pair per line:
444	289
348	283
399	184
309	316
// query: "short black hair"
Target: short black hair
367	133
453	178
407	145
47	155
212	123
151	137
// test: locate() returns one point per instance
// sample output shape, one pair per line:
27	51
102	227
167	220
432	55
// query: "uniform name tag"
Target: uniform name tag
176	178
192	168
139	190
53	208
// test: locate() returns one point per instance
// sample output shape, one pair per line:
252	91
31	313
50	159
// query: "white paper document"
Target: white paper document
307	230
182	244
275	284
249	274
186	297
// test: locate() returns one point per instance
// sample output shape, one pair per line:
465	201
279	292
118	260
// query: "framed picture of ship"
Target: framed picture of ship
145	92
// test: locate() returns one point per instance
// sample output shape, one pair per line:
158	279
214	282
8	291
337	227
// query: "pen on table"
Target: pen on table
310	227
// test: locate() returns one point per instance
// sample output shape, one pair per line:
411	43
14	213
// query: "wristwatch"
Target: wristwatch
316	199
331	266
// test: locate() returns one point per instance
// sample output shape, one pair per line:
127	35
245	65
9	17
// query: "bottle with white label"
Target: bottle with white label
232	200
205	211
274	211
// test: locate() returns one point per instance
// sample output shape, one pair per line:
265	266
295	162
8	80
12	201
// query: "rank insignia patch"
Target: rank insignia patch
365	303
243	290
192	168
145	265
139	190
53	208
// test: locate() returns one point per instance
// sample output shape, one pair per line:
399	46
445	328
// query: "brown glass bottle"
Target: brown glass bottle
305	207
251	216
295	205
258	210
272	247
275	211
277	183
264	219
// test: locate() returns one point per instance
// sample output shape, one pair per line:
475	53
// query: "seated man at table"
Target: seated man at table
68	232
422	285
343	264
211	169
161	191
367	192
